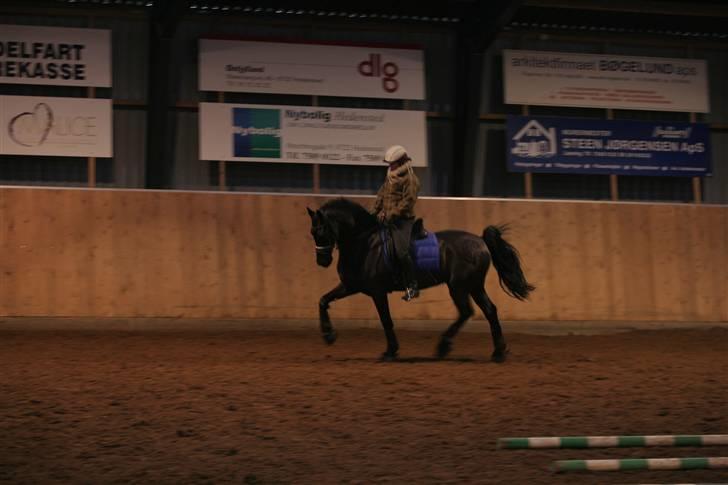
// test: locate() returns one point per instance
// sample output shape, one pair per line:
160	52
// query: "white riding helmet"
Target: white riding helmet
395	153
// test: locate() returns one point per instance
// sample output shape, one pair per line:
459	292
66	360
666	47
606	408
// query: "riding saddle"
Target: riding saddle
418	229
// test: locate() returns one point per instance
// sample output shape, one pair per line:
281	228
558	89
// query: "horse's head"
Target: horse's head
324	235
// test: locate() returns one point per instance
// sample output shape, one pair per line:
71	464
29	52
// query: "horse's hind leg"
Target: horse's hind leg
491	313
465	310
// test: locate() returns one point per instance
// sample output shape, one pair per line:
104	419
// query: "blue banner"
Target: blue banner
577	145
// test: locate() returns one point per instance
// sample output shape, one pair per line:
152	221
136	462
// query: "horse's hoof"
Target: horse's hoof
329	337
443	348
499	356
388	357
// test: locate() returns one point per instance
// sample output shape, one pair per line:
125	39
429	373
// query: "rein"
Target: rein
355	234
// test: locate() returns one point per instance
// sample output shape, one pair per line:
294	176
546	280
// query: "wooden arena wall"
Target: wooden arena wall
124	253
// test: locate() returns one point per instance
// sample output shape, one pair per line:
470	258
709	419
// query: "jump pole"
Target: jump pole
626	464
613	441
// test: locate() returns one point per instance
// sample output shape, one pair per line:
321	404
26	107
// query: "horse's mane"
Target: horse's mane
346	209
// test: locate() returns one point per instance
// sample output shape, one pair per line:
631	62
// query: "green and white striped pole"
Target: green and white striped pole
614	441
626	464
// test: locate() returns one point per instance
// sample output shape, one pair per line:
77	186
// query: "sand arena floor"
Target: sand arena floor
240	406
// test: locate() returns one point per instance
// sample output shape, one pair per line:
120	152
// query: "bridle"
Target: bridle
325	249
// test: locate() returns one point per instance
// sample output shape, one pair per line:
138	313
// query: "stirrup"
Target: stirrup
411	294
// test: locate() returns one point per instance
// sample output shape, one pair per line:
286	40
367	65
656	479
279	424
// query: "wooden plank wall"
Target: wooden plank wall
81	252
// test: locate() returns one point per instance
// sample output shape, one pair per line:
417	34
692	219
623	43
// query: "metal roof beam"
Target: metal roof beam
646	7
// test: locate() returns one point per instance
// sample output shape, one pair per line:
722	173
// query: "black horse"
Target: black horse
363	267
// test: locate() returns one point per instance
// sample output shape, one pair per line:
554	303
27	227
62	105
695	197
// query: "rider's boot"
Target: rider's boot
410	279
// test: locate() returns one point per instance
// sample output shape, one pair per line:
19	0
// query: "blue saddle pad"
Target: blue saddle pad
425	252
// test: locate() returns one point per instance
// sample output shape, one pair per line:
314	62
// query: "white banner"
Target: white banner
55	55
308	134
605	81
311	69
66	127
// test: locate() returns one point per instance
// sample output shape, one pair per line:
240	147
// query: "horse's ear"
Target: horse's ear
310	212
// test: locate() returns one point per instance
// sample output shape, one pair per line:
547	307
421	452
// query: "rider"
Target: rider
395	206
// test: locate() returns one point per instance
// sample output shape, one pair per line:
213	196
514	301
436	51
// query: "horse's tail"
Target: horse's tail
507	263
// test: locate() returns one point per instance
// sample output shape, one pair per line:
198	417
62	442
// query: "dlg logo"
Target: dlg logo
256	133
373	67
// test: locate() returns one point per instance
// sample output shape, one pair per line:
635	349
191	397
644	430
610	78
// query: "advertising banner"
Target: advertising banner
311	69
65	127
605	81
55	55
577	145
305	134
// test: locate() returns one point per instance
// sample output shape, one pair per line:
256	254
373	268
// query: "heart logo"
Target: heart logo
31	128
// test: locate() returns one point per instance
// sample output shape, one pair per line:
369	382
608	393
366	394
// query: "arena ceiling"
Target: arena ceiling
704	19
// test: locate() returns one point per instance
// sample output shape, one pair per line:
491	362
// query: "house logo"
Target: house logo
534	141
256	133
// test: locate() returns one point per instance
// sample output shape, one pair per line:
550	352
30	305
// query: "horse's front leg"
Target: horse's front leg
382	302
327	330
